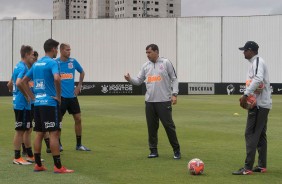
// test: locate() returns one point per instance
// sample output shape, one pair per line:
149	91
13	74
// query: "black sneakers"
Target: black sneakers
177	155
259	169
242	171
153	155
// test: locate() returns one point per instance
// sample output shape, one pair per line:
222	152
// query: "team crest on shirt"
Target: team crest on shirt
70	65
161	67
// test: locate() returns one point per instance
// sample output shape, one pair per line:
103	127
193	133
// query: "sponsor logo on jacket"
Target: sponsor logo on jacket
154	78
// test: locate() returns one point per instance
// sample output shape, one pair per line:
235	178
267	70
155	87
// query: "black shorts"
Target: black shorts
32	113
23	121
47	118
70	104
32	116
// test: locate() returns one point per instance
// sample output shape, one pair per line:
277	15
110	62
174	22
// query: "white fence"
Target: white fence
203	49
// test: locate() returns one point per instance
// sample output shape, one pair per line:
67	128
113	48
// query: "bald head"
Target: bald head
65	51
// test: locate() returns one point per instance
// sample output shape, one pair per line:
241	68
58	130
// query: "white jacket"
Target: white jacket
259	74
160	79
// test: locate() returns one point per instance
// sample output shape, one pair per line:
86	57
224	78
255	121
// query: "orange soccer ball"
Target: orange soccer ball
251	102
196	166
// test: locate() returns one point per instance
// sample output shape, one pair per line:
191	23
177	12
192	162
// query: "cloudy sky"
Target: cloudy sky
42	9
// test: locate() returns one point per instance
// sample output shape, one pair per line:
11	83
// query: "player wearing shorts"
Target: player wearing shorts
22	107
70	103
31	85
47	95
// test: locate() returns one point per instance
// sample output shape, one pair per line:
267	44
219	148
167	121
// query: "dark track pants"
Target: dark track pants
255	137
156	111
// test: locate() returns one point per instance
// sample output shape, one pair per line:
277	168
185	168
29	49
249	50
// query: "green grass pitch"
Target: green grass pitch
114	127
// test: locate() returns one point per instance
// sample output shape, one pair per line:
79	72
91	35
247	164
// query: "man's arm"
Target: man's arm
174	82
79	85
258	78
23	86
57	82
138	80
10	85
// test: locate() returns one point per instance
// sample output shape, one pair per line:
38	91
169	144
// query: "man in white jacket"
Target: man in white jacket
255	133
162	89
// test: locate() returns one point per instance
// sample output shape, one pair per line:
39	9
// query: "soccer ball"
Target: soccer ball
251	102
196	166
259	88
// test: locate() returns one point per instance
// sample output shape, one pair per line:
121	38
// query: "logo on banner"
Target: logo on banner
200	89
104	88
85	87
242	88
230	89
117	88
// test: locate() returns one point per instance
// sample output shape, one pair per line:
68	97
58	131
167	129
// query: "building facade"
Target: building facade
81	9
145	8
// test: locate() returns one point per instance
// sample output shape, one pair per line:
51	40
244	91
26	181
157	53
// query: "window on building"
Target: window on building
134	8
74	6
78	17
148	2
134	15
78	6
134	2
74	11
78	11
74	17
148	9
170	5
170	11
156	9
157	3
85	7
85	1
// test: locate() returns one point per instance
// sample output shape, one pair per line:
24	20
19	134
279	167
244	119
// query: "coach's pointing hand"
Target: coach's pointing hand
127	77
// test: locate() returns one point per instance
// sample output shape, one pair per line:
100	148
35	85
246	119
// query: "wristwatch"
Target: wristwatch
174	94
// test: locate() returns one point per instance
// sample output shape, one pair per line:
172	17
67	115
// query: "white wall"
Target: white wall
199	49
108	48
30	32
266	31
6	50
202	49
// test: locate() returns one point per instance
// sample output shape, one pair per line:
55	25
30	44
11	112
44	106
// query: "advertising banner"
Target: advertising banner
201	88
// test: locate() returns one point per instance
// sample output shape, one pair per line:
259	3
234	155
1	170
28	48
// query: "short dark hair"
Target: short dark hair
63	45
35	53
154	47
25	49
50	44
